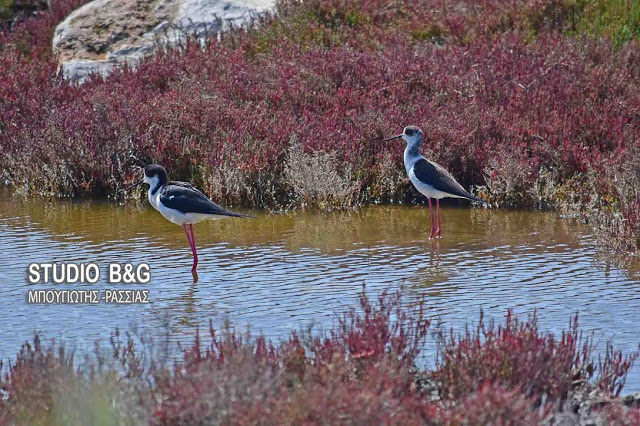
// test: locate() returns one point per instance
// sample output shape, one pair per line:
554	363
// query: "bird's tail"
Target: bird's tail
240	215
476	199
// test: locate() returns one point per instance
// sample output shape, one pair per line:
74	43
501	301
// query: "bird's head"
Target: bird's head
154	175
412	135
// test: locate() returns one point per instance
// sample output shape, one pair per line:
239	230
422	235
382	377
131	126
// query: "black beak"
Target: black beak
140	182
393	137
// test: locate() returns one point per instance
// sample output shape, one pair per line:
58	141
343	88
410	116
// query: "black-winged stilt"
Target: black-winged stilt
181	203
429	178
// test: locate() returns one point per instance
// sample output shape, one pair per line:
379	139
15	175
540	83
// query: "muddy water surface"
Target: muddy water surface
281	272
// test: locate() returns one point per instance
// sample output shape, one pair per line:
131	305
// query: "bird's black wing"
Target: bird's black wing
436	176
186	185
185	198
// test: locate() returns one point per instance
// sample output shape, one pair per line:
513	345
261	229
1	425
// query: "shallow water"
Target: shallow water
283	272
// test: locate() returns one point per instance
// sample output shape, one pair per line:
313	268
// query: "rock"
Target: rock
565	419
632	400
79	69
105	34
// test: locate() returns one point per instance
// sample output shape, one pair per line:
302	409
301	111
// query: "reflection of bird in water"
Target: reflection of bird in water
188	316
182	204
434	256
429	178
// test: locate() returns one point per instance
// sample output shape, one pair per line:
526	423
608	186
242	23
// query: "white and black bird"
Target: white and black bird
181	203
429	178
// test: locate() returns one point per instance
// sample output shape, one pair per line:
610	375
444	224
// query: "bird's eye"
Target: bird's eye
408	132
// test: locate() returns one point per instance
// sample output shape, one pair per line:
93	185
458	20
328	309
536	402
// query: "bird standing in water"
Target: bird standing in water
429	178
182	204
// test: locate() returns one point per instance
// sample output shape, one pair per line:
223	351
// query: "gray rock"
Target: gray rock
632	400
79	69
105	34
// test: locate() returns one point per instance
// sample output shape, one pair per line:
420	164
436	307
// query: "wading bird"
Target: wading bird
429	178
181	203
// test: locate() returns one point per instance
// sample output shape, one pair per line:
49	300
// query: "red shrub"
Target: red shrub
360	370
616	414
337	76
518	356
29	385
495	405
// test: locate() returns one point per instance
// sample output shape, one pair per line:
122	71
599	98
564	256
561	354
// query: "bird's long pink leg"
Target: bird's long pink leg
438	212
193	248
192	244
433	227
186	231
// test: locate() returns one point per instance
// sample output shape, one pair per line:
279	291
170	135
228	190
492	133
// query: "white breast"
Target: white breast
171	215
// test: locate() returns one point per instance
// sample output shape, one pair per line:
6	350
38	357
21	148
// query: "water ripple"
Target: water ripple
279	273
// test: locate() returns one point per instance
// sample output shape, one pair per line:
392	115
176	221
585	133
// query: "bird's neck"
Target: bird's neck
153	190
411	155
154	195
